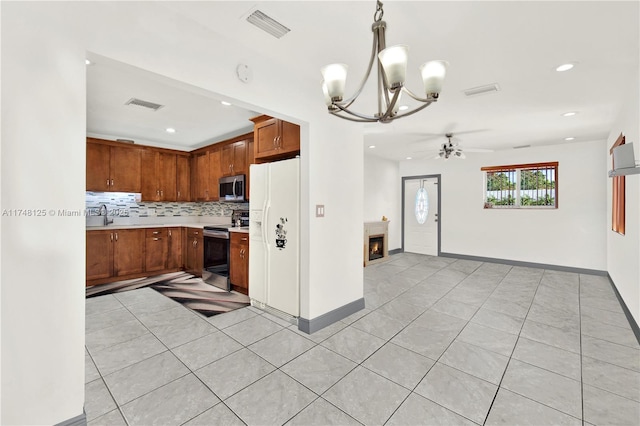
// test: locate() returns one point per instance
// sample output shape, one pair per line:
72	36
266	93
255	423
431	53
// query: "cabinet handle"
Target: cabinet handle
157	239
157	192
161	193
178	194
156	232
111	182
116	236
195	243
275	138
195	232
169	232
107	182
243	239
112	236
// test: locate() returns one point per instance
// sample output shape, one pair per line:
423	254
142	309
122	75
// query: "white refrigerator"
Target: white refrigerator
274	226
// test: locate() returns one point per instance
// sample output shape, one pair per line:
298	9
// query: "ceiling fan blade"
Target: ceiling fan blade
477	150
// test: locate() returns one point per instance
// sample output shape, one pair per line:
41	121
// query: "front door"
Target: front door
421	238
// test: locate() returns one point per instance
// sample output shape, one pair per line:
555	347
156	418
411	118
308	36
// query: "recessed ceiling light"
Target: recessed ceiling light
403	107
569	114
225	103
170	130
570	138
372	146
87	62
564	67
409	158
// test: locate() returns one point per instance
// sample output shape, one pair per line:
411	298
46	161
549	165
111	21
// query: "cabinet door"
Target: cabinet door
194	252
199	256
125	169
128	251
239	166
98	167
214	176
183	183
289	137
166	172
174	259
239	261
149	178
226	160
156	249
264	136
99	254
200	172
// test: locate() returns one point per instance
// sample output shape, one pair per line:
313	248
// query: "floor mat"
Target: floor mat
182	287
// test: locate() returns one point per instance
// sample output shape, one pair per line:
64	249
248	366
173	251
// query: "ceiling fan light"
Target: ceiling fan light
335	78
394	62
433	73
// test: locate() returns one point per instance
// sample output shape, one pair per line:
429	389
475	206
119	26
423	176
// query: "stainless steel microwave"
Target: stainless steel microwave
232	188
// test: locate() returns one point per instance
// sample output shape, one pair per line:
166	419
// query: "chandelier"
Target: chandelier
391	64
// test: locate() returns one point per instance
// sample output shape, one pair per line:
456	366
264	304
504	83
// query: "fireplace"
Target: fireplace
376	242
376	247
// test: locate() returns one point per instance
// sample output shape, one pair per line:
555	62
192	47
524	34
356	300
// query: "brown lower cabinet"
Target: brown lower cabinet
156	249
113	255
239	262
194	251
175	258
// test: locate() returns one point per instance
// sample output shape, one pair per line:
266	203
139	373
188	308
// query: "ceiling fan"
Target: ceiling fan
451	149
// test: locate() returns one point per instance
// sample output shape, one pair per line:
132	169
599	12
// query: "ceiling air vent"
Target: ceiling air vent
474	91
144	104
267	23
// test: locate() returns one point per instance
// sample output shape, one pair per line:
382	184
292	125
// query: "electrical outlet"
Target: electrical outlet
319	210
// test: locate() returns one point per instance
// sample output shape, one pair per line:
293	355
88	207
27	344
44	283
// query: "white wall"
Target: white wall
623	251
571	235
43	116
382	195
43	153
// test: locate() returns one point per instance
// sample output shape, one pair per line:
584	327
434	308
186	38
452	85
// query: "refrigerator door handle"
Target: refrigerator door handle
265	221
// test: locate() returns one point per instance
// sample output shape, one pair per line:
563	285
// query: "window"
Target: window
617	204
521	186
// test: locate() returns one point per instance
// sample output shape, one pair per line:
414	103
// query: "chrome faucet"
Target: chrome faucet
105	212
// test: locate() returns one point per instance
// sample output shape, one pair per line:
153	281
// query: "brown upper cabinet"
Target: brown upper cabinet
233	159
275	138
183	178
205	174
112	166
158	180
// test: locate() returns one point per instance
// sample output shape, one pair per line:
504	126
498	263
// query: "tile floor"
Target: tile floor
441	341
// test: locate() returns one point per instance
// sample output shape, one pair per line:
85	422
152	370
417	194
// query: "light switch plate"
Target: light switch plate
319	210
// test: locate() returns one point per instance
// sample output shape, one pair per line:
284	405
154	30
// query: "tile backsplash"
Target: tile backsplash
123	204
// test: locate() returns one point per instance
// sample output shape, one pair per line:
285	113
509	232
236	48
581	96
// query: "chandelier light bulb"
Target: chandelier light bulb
433	73
335	77
394	62
325	93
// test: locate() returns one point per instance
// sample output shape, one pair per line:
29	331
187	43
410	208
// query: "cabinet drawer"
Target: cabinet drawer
239	238
156	232
194	233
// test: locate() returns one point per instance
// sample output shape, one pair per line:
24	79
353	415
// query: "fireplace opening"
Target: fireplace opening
376	247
